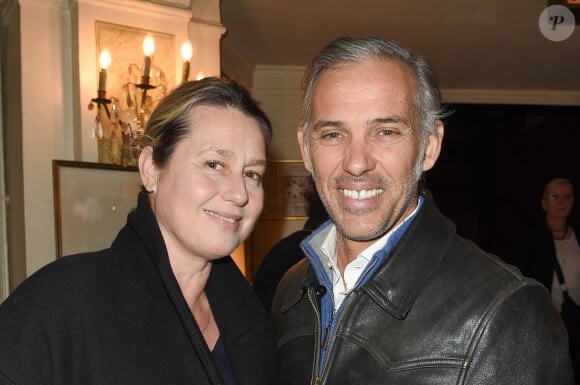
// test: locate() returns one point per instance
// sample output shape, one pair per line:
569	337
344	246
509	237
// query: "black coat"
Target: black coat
438	311
283	255
117	316
537	254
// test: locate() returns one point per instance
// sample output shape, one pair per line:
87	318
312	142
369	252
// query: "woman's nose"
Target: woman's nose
235	191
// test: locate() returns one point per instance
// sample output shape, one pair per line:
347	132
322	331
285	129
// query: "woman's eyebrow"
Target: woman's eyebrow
219	151
232	155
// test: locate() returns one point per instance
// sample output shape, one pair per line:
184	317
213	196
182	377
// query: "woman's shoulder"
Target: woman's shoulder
66	275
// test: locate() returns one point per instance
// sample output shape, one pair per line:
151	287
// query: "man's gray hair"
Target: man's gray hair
347	50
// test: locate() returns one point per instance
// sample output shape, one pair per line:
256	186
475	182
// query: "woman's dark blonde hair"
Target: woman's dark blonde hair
170	122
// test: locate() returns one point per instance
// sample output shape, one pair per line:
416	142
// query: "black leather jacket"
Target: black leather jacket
439	311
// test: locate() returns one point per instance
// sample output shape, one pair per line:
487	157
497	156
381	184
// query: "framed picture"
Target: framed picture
285	184
91	203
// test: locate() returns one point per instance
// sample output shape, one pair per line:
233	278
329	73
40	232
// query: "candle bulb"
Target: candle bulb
148	49
186	52
105	61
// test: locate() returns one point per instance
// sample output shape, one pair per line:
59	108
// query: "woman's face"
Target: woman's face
558	201
209	196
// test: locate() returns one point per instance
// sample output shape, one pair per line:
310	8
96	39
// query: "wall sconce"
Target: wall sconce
121	119
186	53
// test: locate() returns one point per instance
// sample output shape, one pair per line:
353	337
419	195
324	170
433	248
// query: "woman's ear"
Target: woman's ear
148	170
544	205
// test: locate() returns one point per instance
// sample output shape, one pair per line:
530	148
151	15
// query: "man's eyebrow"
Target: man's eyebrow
327	123
391	119
339	124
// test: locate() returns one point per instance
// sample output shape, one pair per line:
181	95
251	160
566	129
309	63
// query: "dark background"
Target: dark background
494	164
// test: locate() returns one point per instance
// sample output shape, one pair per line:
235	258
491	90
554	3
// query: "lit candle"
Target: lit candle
186	52
148	49
105	61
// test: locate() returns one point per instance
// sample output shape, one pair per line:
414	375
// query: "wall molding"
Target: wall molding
525	97
287	79
145	9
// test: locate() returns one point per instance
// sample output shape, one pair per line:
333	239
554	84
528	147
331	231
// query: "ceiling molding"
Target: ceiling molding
527	97
269	78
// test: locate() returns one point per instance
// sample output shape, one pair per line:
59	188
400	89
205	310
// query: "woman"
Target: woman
162	305
553	249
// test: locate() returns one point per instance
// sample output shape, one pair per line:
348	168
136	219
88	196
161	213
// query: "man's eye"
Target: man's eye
386	132
214	164
331	135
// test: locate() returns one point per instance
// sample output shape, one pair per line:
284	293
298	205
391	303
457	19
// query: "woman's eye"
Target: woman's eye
254	176
214	164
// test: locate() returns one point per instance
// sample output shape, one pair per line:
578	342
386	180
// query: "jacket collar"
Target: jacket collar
396	284
240	316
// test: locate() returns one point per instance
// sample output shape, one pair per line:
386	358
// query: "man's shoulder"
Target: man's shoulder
289	288
468	264
297	274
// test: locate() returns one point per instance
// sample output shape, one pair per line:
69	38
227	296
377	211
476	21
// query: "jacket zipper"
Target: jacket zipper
345	305
316	363
328	339
318	374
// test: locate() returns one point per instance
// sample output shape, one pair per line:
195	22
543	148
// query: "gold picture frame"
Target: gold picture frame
285	185
91	203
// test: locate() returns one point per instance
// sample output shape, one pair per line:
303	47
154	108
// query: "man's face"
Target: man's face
364	147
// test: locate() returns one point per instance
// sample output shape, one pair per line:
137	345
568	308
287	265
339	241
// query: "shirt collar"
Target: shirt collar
328	245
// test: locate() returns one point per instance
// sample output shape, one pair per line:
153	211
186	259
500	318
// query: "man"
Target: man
389	293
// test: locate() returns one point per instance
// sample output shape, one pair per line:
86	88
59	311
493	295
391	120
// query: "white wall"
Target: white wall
3	249
57	79
278	90
46	119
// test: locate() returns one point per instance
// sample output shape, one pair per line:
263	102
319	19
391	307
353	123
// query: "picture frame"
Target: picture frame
285	186
91	203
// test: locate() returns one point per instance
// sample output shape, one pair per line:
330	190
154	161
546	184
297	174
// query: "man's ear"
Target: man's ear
433	146
148	170
304	148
